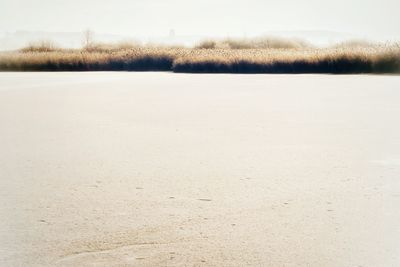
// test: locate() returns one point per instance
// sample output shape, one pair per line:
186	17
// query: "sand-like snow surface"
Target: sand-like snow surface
162	169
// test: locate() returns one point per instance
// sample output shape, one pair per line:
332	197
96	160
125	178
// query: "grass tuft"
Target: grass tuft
40	47
258	43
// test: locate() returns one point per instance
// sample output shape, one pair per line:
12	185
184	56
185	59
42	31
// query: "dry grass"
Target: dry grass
258	43
332	60
111	47
40	47
139	59
228	56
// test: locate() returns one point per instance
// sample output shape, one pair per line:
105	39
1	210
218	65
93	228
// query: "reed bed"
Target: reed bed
251	57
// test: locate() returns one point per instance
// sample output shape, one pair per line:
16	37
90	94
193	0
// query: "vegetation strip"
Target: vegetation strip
229	56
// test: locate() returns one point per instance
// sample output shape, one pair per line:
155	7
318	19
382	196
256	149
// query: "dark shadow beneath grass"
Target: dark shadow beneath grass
336	66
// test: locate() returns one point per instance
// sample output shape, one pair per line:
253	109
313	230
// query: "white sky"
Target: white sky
370	18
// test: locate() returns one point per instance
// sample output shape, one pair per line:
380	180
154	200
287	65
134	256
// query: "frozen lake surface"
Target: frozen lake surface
163	169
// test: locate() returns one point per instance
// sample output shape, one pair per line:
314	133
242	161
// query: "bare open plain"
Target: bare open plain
163	169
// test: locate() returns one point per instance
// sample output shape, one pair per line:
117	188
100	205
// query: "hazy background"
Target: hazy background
184	21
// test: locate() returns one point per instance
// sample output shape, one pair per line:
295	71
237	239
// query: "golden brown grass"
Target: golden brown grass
41	46
228	56
257	43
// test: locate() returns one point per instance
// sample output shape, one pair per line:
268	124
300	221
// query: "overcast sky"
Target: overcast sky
369	18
